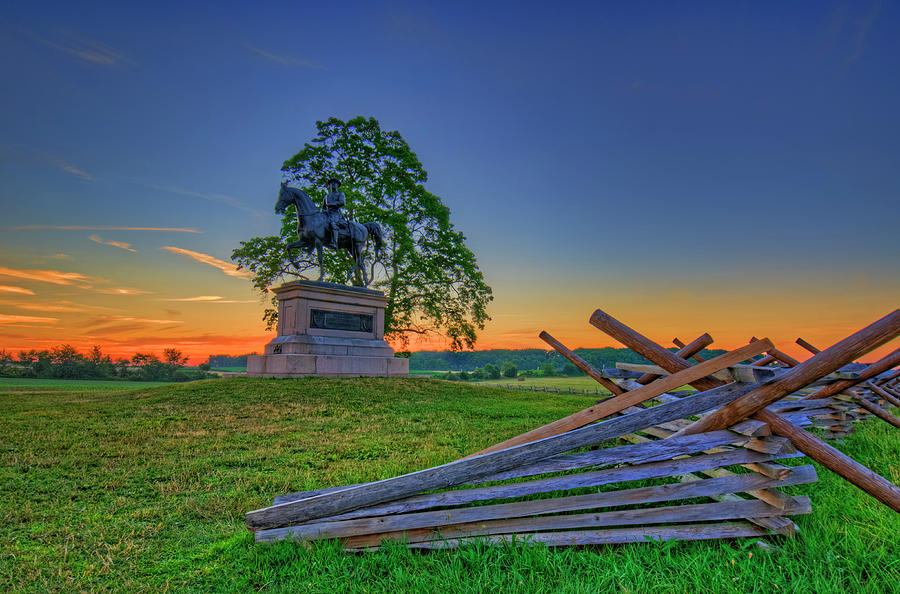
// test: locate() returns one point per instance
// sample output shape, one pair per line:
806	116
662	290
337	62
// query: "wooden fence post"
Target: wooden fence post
846	351
581	363
617	403
647	348
681	345
754	402
686	351
877	368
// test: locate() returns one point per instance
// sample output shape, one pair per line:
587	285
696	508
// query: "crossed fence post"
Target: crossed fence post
754	403
872	370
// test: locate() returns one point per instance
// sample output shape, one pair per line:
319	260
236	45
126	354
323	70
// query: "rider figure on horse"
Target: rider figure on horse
333	202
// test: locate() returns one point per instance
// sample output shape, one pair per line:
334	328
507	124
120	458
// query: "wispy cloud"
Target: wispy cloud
288	60
123	291
11	319
198	298
865	25
19	290
49	276
77	279
56	305
103	228
119	244
226	267
31	306
87	50
30	156
69	168
211	197
99	320
59	257
212	299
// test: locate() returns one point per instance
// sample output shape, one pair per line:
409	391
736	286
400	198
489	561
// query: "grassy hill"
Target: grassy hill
145	489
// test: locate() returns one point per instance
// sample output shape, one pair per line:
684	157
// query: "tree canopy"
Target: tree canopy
431	279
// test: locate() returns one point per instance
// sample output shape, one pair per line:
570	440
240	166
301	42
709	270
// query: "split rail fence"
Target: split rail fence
648	462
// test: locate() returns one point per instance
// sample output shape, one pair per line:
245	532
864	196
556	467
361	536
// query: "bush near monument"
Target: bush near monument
431	279
65	362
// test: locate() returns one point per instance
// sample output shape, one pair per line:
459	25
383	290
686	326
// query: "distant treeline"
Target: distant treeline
525	358
227	360
64	362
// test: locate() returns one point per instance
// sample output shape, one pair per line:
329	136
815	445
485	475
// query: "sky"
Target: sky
729	168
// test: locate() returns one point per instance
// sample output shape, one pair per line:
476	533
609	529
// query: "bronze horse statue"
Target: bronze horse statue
312	229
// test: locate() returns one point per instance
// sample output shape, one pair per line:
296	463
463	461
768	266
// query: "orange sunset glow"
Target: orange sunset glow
144	300
208	307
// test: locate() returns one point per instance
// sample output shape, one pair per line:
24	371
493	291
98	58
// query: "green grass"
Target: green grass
578	383
145	489
22	382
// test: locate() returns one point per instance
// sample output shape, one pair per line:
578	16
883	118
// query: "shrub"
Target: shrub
491	371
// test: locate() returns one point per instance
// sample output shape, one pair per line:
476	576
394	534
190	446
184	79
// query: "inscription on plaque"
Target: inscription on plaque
340	320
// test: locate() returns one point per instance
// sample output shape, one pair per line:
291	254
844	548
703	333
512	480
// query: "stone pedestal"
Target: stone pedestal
331	330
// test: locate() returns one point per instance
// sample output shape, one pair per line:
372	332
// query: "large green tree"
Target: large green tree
431	278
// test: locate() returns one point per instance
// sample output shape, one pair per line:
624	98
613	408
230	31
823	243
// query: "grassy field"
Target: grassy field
78	385
578	383
144	489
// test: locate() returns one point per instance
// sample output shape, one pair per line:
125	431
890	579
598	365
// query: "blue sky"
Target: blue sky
610	153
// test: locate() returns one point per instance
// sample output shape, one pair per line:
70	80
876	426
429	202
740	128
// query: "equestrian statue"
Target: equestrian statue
327	227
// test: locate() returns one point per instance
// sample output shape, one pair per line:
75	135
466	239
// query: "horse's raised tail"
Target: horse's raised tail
374	230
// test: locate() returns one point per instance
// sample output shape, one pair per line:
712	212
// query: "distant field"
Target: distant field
75	384
577	384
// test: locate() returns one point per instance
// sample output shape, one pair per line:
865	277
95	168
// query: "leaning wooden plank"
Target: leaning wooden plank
614	405
611	536
560	483
580	363
887	362
778	524
733	373
685	351
643	471
780	356
836	356
751	428
889	378
799	416
893	400
845	351
619	374
460	471
699	512
725	375
870	482
770	469
690	444
785	406
764	445
702	488
652	351
626	454
681	345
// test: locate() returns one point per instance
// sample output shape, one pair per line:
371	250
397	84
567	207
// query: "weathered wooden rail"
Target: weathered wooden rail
556	484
